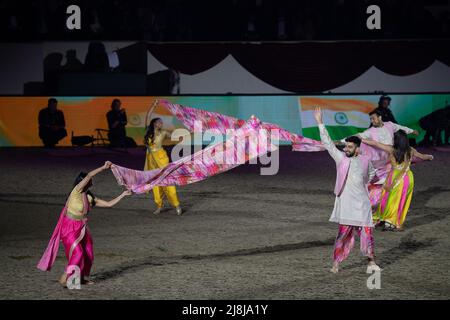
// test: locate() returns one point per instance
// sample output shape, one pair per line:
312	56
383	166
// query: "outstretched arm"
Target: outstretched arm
362	135
421	156
91	174
325	137
155	103
108	204
378	145
406	129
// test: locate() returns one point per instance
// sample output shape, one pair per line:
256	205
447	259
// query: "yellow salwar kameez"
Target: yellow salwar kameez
396	195
156	158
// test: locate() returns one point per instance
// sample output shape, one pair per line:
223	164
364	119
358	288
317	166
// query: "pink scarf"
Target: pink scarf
219	123
202	164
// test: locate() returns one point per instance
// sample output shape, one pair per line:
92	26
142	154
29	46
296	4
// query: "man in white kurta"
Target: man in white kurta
382	132
352	208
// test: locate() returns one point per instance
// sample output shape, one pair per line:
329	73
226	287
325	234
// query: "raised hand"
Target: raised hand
107	164
318	114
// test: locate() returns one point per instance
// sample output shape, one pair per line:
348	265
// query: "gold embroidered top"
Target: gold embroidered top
158	139
75	203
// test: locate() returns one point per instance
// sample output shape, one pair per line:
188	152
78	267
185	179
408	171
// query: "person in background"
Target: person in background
96	58
117	120
73	64
51	124
383	108
382	132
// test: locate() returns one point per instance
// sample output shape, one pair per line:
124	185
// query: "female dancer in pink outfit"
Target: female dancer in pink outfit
72	229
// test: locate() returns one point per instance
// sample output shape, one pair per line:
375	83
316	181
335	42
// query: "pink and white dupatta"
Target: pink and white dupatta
241	147
219	123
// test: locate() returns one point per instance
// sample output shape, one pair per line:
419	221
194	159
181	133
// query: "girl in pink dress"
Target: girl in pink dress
72	229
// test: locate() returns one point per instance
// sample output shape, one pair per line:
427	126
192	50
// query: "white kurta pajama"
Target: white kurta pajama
352	208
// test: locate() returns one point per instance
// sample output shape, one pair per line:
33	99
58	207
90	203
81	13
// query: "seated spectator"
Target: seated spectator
117	120
51	124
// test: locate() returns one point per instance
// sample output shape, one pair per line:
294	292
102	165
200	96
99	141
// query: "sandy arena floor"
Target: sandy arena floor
243	236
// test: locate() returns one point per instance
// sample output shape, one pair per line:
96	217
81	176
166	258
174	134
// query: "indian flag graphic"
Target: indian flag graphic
342	117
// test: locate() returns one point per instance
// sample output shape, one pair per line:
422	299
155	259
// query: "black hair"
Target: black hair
150	131
375	111
52	100
80	178
114	102
382	98
356	140
401	146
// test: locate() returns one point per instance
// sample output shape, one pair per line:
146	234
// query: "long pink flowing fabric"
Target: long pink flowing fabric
201	120
50	253
219	123
199	167
248	142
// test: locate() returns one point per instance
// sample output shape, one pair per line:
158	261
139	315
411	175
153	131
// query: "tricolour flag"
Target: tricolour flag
342	117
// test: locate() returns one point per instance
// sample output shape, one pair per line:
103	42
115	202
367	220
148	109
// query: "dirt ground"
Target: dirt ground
243	235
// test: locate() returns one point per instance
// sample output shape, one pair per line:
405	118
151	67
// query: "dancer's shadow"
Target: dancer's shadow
161	261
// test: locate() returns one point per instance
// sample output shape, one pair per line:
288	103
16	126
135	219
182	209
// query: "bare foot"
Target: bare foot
88	282
63	280
335	268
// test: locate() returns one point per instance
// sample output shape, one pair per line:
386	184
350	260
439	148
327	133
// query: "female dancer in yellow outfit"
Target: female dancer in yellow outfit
156	158
398	188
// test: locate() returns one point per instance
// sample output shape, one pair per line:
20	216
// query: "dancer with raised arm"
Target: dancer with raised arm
382	132
156	158
352	209
398	188
72	228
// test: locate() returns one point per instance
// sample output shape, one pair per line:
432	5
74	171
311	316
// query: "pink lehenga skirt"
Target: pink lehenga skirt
77	240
